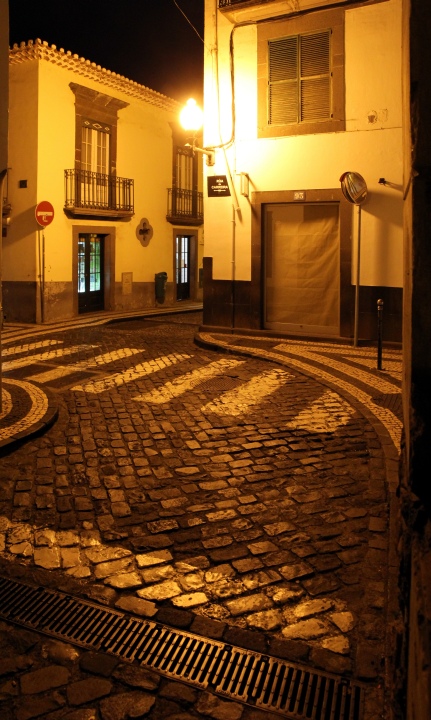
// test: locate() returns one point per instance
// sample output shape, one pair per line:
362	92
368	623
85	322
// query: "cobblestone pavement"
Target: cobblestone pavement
241	495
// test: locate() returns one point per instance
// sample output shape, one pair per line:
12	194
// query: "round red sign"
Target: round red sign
44	213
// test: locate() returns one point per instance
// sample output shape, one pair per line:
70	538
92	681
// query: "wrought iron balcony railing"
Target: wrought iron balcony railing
91	193
228	3
224	4
185	206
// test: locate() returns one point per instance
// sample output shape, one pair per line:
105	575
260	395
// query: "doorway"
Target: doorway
302	268
90	272
182	266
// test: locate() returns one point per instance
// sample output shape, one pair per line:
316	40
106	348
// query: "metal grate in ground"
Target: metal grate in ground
259	680
220	384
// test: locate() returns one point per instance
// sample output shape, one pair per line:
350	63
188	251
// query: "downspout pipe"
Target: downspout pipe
3	174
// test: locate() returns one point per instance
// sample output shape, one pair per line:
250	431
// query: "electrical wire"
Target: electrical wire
189	21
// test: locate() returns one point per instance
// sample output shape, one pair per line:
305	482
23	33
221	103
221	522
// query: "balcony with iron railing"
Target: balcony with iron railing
185	207
226	3
90	193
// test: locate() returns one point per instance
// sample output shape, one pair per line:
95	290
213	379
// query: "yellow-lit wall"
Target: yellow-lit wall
370	145
144	153
19	245
42	147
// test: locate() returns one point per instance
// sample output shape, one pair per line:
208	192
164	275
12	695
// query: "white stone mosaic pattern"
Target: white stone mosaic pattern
327	414
335	348
390	367
6	405
39	407
385	416
63	370
133	373
186	382
46	356
344	367
238	401
18	349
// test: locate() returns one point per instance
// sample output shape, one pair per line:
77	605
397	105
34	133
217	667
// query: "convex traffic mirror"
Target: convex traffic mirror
354	187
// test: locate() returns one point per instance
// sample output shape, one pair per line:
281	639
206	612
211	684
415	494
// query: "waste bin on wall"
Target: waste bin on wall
160	286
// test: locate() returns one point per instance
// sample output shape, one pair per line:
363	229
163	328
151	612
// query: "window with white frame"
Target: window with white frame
95	147
184	169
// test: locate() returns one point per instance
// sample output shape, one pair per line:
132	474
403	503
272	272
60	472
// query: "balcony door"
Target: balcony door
95	151
90	272
182	266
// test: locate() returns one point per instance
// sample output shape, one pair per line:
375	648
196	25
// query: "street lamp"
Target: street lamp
191	118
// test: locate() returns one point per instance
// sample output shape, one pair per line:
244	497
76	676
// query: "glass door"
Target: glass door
182	266
90	273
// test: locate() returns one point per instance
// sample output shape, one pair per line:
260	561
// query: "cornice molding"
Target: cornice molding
40	50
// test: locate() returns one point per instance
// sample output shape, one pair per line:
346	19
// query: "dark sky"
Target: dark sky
148	41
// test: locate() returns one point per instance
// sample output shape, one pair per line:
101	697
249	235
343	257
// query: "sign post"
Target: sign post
355	190
44	213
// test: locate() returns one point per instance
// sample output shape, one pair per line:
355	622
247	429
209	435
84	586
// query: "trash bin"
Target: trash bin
160	286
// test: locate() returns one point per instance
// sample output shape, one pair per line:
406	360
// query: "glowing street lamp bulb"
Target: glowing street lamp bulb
191	116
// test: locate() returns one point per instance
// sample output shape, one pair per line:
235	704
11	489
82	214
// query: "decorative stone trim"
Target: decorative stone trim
98	99
40	50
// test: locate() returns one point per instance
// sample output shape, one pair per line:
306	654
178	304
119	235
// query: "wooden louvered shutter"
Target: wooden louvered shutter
283	81
299	79
315	79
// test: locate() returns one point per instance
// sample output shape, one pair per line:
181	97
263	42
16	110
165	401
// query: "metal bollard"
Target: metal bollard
379	333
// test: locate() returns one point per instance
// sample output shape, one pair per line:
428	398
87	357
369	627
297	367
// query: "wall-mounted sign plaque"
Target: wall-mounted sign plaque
218	186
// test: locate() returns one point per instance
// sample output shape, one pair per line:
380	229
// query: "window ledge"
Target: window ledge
184	220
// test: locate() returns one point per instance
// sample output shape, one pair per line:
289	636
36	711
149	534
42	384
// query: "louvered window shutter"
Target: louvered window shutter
283	81
300	79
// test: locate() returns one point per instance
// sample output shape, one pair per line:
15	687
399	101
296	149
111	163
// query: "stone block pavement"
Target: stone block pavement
237	487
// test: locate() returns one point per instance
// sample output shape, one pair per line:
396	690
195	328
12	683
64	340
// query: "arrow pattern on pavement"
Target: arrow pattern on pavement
62	370
236	402
182	384
46	356
238	526
326	414
17	349
133	373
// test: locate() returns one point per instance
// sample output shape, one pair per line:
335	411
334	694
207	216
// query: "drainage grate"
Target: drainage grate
220	384
258	680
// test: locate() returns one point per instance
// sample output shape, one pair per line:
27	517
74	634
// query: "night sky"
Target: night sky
148	41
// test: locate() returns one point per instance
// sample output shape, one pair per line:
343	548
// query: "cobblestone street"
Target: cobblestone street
236	488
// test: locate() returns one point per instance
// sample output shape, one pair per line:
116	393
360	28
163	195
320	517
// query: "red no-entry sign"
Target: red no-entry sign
44	213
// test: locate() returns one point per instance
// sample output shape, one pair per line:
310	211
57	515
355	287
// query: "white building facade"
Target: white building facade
296	94
108	155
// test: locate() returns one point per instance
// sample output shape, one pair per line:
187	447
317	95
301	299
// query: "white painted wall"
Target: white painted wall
371	144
